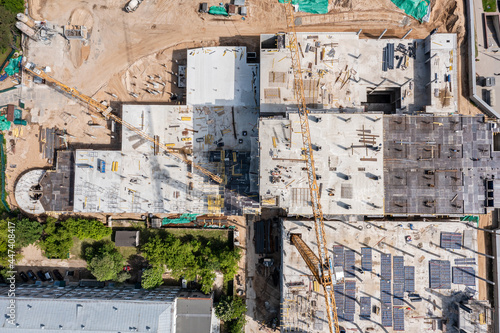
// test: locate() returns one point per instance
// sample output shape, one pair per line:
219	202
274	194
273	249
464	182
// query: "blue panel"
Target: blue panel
366	259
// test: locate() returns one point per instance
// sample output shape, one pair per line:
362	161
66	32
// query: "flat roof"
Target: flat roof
352	175
220	75
343	71
135	180
71	315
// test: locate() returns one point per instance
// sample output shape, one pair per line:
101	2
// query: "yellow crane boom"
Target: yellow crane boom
105	111
319	264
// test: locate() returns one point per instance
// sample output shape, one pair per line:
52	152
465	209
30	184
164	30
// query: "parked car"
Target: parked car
48	276
58	275
23	276
41	276
31	275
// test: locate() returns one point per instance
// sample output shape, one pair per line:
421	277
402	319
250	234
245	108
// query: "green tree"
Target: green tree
152	278
14	6
230	308
105	262
57	240
193	258
83	228
237	325
27	232
8	11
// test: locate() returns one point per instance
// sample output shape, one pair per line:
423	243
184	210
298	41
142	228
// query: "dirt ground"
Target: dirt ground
484	242
119	39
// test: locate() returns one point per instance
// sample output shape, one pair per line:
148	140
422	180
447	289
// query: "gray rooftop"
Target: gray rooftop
194	312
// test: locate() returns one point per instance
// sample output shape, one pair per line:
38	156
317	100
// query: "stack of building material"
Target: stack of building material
385	291
399	319
440	274
350	300
366	259
464	275
386	315
365	308
349	262
409	279
338	255
451	240
399	293
339	300
465	261
385	264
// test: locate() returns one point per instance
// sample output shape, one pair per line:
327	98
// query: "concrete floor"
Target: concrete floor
344	71
351	180
302	306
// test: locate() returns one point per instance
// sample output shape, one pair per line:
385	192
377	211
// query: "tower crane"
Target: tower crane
105	111
320	264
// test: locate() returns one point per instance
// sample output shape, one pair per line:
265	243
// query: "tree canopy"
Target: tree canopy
152	278
230	308
14	6
27	231
57	240
193	257
8	11
83	228
105	262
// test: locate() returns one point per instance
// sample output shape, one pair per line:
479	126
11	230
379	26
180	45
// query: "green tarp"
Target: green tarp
4	124
13	66
311	6
419	9
218	10
184	218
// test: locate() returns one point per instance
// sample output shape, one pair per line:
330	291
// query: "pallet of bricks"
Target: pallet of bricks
386	290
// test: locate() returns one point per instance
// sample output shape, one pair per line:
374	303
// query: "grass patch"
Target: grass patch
127	251
490	5
221	235
76	249
4	54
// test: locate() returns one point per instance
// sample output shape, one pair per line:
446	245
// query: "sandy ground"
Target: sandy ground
485	222
118	39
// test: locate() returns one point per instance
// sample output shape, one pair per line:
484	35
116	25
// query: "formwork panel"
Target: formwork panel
366	259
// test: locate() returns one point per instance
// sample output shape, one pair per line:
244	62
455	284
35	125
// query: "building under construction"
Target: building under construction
396	277
142	178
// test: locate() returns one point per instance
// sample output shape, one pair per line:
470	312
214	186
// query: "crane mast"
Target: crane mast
319	265
105	111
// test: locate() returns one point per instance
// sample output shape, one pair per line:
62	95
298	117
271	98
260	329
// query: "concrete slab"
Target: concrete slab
221	76
342	71
352	180
298	290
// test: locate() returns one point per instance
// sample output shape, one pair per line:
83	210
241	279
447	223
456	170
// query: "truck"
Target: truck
132	5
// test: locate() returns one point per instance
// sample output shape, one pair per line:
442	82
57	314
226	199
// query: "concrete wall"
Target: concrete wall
488	110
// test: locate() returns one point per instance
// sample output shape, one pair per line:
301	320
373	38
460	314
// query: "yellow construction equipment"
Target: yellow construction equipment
105	111
319	264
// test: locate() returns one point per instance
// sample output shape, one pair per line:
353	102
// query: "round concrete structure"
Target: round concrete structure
28	192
